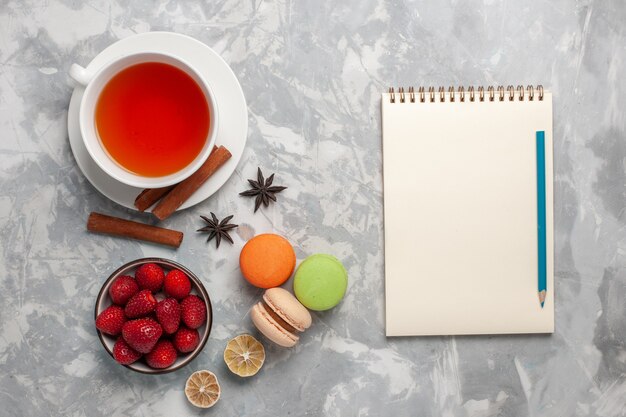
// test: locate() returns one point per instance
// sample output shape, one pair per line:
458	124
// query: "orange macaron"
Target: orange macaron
267	260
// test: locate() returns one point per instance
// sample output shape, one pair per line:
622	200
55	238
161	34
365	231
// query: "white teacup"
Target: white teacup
94	81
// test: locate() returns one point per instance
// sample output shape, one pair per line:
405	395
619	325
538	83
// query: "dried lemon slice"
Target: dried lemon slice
244	355
202	389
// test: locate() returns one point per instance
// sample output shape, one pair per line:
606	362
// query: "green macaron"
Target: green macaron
320	282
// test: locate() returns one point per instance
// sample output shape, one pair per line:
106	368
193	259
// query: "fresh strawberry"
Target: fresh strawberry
111	320
162	356
123	353
150	277
122	289
168	315
141	304
186	340
177	284
142	334
193	311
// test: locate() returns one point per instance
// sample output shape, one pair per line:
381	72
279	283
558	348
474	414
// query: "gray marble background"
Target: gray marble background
312	72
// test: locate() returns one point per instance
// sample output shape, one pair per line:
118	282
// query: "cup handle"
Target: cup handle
80	74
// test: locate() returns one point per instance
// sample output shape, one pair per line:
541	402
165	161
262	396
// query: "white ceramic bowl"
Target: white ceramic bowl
94	82
104	300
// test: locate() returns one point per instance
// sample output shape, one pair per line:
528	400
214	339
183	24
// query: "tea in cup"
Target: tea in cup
148	119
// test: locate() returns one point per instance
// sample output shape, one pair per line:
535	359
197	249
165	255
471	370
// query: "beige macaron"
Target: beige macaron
280	317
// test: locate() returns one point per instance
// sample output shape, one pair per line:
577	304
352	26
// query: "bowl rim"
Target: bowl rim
172	265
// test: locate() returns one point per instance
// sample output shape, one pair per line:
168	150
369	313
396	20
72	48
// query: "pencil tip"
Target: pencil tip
542	297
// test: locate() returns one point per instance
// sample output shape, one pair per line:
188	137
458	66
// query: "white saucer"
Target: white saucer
233	126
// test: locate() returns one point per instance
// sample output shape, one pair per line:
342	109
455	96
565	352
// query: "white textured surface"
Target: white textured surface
312	72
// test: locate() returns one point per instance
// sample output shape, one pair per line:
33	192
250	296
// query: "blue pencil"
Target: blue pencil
541	218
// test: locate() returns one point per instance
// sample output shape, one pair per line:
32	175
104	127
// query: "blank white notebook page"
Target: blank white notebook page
460	209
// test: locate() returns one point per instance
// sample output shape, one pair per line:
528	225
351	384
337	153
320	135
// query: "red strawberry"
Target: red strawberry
122	289
111	320
193	311
162	356
186	340
142	334
150	277
123	353
168	315
177	284
141	304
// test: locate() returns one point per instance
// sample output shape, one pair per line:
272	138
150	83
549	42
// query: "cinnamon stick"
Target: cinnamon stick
101	223
186	188
149	196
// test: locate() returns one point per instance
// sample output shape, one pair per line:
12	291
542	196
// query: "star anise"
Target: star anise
263	190
218	229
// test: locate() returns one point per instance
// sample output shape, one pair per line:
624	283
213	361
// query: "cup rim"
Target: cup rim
198	284
125	176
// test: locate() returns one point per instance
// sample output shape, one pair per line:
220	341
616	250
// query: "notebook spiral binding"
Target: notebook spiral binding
470	94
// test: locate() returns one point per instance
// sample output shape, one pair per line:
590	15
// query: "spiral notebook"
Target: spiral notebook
468	208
